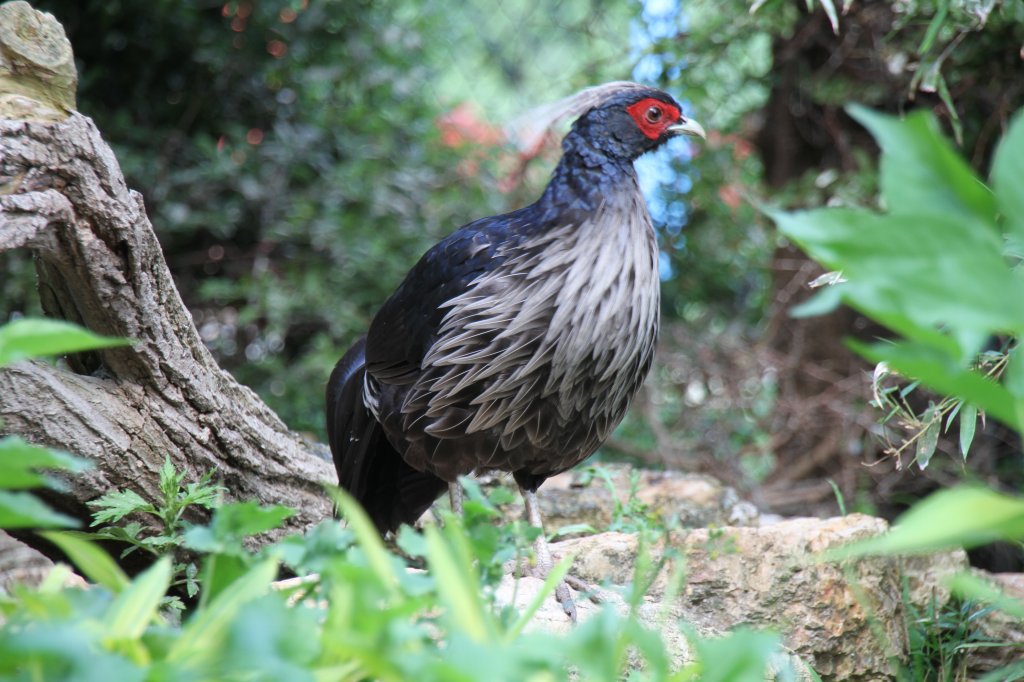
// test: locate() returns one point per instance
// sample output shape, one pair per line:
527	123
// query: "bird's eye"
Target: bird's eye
653	115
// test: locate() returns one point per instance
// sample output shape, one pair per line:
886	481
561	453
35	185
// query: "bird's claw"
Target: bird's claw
564	597
583	587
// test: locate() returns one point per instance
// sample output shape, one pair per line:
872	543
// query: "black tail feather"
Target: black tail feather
369	467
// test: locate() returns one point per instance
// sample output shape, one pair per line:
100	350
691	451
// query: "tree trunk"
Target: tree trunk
63	197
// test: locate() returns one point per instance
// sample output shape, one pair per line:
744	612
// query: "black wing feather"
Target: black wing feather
369	467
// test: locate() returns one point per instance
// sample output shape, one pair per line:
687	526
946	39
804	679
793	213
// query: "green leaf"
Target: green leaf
35	337
19	461
822	303
219	572
968	422
201	637
203	492
231	524
23	510
947	99
366	537
136	606
574	529
1013	379
1007	175
914	271
170	481
92	561
929	439
922	172
242	519
56	579
933	26
951	415
958	517
838	494
269	640
116	505
62	650
411	542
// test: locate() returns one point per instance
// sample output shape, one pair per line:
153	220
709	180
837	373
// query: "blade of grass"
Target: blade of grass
458	588
90	560
367	537
137	604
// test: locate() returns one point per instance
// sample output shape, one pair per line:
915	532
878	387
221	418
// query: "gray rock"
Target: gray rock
772	577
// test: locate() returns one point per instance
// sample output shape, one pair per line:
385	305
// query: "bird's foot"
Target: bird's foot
543	563
592	592
564	597
565	587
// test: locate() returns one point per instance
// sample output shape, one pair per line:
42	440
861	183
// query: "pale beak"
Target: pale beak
687	126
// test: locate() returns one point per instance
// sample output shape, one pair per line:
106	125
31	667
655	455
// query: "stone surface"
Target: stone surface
926	575
771	577
1000	628
550	618
745	569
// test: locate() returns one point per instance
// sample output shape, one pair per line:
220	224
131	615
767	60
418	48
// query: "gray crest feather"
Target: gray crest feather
528	130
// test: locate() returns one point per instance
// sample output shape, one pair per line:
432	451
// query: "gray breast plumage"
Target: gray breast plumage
537	361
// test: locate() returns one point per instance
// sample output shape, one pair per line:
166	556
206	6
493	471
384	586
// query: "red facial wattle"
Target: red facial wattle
642	113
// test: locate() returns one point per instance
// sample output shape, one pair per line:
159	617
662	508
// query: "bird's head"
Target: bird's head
620	119
627	120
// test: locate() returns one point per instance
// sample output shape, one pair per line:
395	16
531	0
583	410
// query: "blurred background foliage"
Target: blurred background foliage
296	157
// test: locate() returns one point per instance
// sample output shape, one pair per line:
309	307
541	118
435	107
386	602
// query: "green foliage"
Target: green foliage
739	657
929	268
91	560
958	517
840	500
968	586
36	337
940	268
939	638
360	613
629	514
178	496
495	540
164	534
168	534
891	394
20	463
942	636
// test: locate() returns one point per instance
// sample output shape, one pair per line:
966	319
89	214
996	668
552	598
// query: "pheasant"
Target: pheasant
517	342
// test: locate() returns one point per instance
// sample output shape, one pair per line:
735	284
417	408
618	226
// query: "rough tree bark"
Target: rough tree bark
63	198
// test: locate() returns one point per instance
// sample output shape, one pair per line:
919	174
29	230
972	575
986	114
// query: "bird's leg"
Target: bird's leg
455	497
543	553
